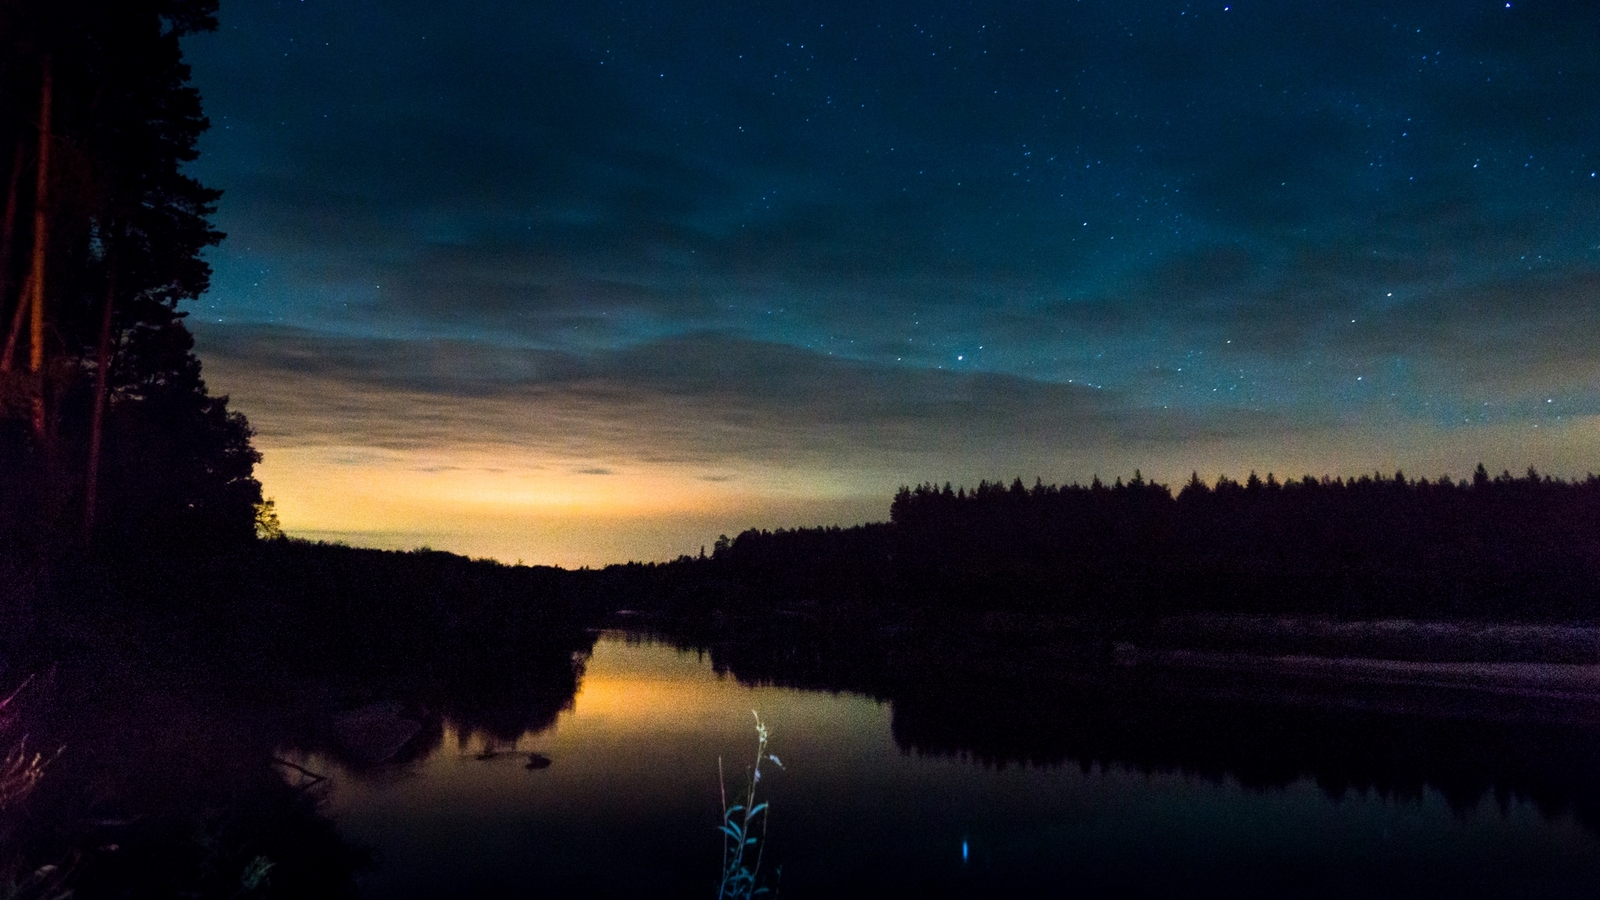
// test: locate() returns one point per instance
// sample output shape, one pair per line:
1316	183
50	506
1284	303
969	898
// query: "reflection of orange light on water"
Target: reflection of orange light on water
631	688
655	704
650	686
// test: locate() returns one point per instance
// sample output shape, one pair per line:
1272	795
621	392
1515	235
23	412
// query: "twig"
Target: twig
302	770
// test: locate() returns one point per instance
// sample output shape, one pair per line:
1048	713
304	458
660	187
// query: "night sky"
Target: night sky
579	283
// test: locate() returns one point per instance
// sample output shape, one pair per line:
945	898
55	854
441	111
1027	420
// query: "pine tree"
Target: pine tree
110	428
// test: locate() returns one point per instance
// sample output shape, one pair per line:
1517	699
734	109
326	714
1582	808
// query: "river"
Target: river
629	806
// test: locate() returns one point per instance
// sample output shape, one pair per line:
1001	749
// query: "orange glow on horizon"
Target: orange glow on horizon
510	506
504	502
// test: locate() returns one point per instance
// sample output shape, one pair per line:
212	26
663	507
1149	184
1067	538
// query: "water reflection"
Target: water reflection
1038	692
183	773
963	759
870	800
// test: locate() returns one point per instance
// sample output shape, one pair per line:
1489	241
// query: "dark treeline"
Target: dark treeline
1507	548
489	646
176	689
107	430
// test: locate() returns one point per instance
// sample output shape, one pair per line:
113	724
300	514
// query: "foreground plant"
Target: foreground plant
739	823
19	770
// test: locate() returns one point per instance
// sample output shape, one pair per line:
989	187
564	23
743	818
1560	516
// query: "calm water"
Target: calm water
630	806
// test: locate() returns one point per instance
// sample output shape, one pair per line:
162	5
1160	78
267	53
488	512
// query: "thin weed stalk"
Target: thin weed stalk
19	770
739	823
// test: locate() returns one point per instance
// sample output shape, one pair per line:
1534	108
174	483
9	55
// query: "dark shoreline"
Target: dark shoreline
206	664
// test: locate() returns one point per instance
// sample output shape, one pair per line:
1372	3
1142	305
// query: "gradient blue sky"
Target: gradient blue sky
580	283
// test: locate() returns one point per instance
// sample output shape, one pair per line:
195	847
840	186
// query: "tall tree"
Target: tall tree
118	229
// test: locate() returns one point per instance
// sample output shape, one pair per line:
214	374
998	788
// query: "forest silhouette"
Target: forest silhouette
107	430
1492	548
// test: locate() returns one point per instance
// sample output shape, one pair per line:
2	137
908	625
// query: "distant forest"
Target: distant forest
1523	548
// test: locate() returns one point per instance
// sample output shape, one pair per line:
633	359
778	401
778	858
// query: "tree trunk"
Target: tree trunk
24	300
8	224
8	231
41	241
102	369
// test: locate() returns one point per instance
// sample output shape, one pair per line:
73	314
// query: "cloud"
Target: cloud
577	178
477	447
705	399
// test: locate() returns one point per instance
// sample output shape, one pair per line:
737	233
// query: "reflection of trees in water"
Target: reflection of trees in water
1197	729
1022	690
176	697
495	699
503	699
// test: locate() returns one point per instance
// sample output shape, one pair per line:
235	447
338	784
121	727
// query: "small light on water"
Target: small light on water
963	851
